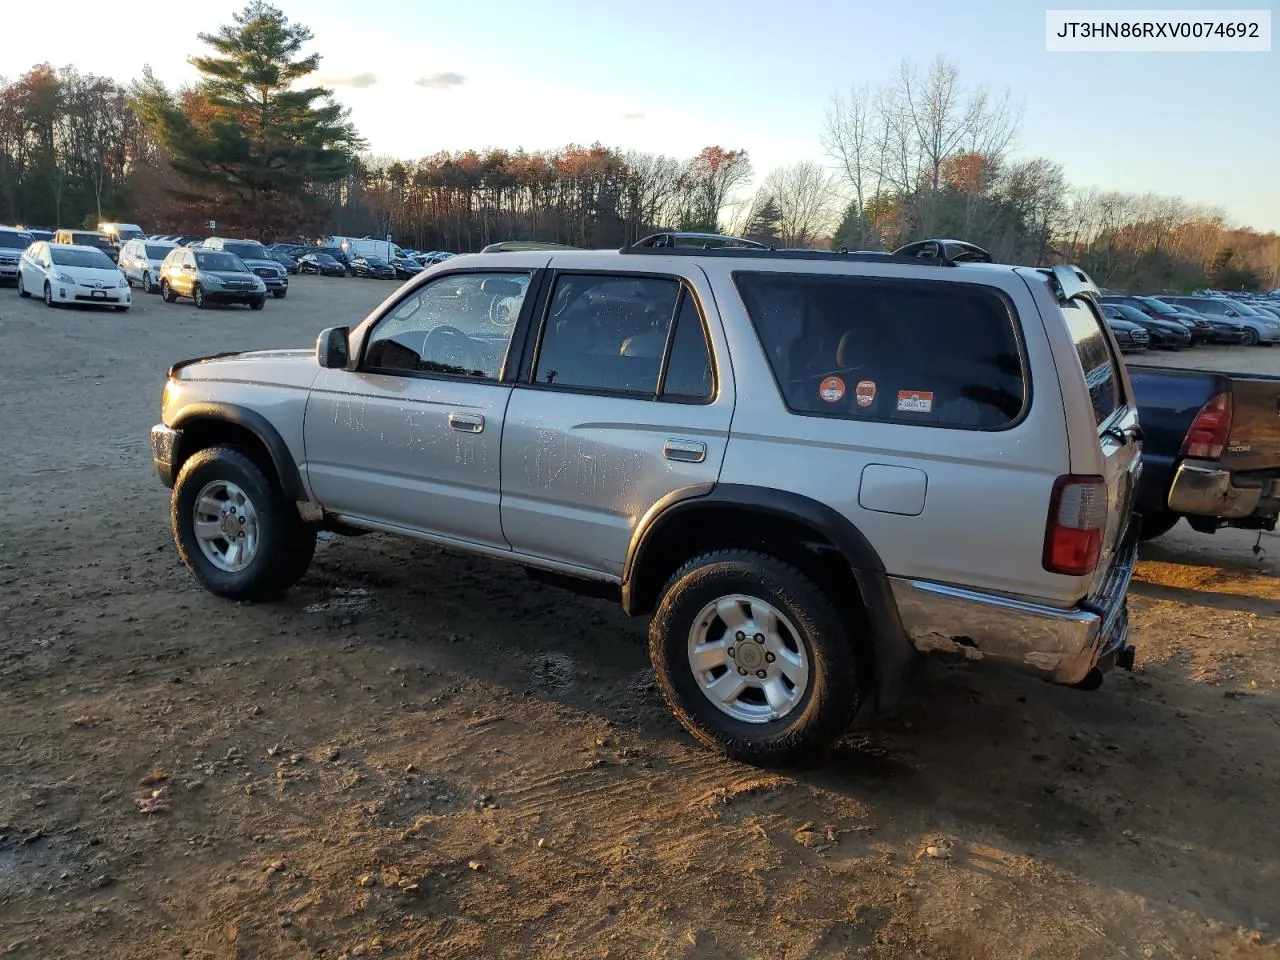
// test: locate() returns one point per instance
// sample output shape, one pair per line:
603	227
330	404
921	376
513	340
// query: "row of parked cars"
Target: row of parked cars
1173	321
342	257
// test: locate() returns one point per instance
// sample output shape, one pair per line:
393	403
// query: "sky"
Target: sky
673	76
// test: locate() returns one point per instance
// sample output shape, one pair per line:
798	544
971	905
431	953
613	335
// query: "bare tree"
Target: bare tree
853	136
803	193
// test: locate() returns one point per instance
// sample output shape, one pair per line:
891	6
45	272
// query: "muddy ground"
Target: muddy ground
423	755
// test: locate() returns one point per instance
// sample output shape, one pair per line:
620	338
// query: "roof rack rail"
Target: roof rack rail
948	251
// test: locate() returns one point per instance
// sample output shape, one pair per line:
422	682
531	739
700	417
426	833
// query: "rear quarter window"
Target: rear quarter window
905	351
1100	367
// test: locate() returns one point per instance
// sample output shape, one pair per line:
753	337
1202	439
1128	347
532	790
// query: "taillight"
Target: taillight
1209	430
1077	520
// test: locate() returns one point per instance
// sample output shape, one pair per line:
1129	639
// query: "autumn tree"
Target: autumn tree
247	138
707	182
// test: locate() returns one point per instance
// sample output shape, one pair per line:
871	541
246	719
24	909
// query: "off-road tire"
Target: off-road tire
286	543
834	692
1157	524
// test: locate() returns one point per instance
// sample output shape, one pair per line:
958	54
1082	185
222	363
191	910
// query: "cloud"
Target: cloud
359	81
633	116
440	81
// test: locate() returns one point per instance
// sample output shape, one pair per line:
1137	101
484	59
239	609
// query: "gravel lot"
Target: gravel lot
422	755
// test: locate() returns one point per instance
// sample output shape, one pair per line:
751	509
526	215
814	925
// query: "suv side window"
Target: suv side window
626	335
458	324
889	350
1100	366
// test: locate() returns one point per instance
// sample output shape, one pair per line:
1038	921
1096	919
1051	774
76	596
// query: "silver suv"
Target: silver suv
806	467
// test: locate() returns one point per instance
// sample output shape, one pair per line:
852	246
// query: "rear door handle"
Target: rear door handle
468	422
688	451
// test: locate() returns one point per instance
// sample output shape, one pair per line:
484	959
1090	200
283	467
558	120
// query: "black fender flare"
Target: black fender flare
285	467
895	656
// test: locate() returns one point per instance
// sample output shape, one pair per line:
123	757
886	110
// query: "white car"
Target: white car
140	262
69	273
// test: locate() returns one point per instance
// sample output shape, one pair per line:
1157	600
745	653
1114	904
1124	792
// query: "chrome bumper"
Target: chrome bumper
1061	645
1201	488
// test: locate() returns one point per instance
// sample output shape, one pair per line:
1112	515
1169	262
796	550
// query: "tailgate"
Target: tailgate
1254	441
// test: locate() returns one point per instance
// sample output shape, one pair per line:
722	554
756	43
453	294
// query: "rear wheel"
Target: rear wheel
1157	524
235	529
166	292
753	658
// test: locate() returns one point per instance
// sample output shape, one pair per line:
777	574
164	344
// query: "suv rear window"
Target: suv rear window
902	351
1101	369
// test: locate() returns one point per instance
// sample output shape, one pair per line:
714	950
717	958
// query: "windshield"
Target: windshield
324	258
1244	308
157	252
130	233
90	240
218	262
247	249
1159	306
375	261
94	259
14	241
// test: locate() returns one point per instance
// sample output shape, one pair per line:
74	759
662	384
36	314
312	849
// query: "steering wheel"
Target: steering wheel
446	344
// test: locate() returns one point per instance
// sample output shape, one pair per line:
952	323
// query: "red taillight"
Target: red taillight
1209	430
1077	519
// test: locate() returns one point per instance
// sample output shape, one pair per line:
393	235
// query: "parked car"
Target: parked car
140	262
12	243
279	256
1258	330
87	238
321	264
1131	337
791	577
406	268
1211	449
121	233
254	255
68	273
1220	329
1165	334
372	267
210	276
1201	332
40	234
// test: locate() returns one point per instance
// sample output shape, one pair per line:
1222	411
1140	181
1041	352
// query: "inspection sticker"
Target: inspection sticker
915	401
865	392
831	389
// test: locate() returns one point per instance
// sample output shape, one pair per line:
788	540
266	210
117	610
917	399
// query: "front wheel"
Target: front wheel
197	294
121	308
147	286
1251	337
22	289
279	294
235	530
48	294
257	303
753	658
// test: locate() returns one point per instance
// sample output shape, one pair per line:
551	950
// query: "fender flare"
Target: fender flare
281	458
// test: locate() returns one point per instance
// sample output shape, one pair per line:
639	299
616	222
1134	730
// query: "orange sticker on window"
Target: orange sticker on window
915	401
865	392
831	389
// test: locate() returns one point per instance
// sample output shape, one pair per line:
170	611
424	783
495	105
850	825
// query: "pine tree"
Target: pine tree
246	139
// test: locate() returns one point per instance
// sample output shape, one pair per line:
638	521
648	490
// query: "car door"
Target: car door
620	405
409	439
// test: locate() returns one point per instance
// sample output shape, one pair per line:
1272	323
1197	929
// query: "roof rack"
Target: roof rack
948	251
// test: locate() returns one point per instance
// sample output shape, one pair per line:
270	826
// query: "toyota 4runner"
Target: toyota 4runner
807	468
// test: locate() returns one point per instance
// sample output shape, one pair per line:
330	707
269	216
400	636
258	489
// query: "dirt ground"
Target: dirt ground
423	755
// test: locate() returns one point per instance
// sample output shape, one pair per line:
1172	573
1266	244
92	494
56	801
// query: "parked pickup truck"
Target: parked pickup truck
1211	449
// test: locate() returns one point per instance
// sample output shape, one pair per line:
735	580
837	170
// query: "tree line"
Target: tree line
255	146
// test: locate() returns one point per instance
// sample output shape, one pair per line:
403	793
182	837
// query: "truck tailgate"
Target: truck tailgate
1254	441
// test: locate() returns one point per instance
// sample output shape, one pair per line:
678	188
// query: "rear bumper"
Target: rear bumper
1061	645
1202	488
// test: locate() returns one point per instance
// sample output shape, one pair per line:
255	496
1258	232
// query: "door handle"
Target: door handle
468	422
688	451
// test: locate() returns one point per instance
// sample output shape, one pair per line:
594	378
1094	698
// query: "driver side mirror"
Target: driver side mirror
331	348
